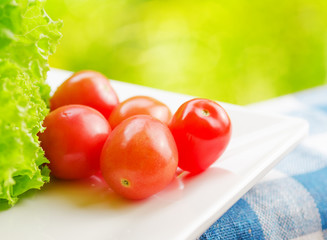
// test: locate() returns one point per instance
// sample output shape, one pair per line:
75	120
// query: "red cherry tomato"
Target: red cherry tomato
86	88
139	158
202	130
140	105
73	141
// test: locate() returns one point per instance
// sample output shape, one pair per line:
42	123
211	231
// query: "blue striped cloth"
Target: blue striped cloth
291	201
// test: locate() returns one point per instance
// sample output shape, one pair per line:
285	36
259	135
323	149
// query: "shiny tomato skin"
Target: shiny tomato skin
202	131
139	158
140	105
88	88
73	141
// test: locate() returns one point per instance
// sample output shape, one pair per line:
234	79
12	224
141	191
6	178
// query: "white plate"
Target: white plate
184	210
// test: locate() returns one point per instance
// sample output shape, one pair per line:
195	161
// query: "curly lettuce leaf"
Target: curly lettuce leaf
27	37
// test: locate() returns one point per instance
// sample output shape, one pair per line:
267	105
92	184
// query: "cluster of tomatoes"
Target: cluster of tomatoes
137	144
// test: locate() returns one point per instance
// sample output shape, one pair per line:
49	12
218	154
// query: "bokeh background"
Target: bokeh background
236	51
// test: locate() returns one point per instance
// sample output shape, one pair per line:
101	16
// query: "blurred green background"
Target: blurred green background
235	51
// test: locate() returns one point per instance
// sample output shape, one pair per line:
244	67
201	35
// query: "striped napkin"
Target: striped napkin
291	201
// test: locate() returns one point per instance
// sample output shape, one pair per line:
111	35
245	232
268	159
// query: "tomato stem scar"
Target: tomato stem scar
125	182
205	112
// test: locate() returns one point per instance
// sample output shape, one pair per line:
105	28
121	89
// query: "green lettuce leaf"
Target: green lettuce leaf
27	37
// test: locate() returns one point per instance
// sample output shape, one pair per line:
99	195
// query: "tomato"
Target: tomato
86	88
73	141
139	158
202	131
140	105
